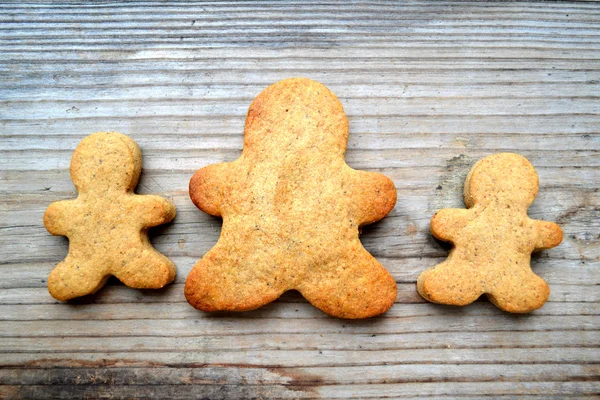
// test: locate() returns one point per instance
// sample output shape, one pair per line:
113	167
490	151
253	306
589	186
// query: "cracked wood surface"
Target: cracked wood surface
429	88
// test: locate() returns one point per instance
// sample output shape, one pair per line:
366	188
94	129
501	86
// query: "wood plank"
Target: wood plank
302	358
297	309
134	75
231	323
346	340
306	376
431	391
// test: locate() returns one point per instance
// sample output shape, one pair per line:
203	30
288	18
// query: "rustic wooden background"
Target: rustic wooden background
429	88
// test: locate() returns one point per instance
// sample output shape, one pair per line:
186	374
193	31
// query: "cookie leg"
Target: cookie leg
451	284
75	278
520	292
350	287
218	283
147	270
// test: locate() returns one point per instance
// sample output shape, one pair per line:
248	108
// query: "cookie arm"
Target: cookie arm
208	188
446	222
155	210
374	196
549	235
55	217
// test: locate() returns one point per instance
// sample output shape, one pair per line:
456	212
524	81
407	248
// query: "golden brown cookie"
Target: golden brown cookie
291	211
493	240
107	224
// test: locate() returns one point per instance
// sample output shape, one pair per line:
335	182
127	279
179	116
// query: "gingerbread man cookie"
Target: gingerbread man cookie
493	240
107	223
292	209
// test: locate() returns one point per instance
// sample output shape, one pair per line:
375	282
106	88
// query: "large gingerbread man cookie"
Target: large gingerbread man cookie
292	210
107	223
493	240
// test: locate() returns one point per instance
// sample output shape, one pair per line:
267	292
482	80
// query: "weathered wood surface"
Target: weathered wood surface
429	88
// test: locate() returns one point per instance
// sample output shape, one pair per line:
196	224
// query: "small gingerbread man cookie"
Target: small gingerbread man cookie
107	223
493	240
292	209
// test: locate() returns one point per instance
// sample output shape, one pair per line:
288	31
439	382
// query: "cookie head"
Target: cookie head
502	176
106	160
296	113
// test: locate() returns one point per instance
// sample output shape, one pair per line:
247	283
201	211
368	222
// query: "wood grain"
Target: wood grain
429	88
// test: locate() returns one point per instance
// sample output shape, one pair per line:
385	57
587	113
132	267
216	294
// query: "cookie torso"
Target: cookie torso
106	226
485	240
291	210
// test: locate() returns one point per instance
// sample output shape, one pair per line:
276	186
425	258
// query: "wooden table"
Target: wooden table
429	88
